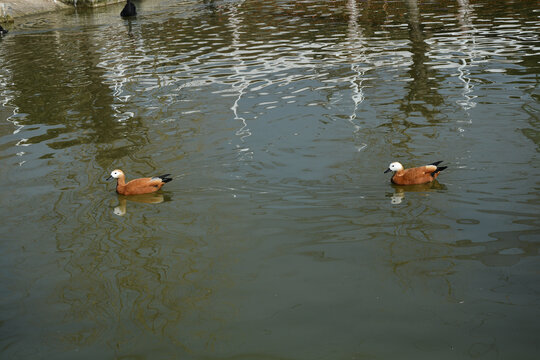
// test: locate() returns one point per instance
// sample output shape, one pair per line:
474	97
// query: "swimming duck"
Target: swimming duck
413	176
138	186
129	9
2	30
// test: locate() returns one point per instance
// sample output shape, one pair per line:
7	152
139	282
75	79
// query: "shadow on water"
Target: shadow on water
421	106
129	26
422	97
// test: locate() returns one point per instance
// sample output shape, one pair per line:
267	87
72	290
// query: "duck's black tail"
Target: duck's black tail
439	168
165	178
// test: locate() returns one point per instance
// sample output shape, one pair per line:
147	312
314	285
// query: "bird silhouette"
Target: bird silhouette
129	9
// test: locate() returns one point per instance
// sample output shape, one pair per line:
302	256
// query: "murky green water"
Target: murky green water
280	236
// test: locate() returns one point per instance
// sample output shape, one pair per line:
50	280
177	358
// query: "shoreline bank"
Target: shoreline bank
13	9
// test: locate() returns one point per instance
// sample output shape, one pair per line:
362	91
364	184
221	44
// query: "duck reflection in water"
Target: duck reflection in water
400	190
152	198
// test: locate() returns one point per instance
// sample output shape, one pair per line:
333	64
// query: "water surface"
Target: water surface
280	236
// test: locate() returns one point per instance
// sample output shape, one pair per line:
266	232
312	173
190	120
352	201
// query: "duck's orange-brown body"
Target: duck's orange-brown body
414	176
138	186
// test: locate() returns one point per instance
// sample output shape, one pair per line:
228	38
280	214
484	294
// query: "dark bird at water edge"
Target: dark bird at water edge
129	9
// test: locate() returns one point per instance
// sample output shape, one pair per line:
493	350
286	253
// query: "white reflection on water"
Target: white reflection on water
116	78
6	98
468	49
235	23
357	46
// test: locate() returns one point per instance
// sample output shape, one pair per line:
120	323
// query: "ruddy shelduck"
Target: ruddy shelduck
414	176
138	186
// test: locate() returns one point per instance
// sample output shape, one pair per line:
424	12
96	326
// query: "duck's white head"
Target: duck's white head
116	174
395	166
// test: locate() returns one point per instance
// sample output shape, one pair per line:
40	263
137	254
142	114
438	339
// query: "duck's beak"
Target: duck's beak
109	178
387	170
